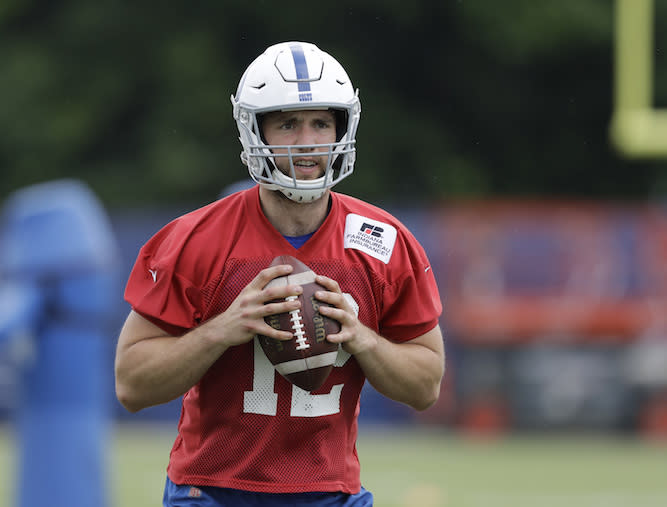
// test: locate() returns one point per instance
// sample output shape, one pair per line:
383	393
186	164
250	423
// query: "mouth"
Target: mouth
306	167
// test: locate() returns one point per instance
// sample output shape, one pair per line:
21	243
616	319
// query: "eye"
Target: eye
324	124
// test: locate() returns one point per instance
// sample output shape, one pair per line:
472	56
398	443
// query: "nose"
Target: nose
307	135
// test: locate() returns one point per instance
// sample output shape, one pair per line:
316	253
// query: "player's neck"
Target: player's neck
291	218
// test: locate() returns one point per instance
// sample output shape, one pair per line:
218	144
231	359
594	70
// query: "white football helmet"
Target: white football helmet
286	77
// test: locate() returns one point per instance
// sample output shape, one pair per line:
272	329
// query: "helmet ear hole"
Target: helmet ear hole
341	123
260	128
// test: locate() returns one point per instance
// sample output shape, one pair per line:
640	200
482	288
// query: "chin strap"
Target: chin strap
302	195
308	190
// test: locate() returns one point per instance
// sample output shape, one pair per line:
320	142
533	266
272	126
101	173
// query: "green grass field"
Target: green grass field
429	469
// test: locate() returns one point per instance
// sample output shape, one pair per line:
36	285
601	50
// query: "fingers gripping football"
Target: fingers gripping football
307	359
245	317
353	336
264	299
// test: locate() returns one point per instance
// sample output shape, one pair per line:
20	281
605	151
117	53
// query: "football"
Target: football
308	358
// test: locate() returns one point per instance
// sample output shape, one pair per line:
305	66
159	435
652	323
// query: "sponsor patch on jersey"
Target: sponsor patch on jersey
375	238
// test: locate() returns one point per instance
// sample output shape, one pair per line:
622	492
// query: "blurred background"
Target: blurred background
485	128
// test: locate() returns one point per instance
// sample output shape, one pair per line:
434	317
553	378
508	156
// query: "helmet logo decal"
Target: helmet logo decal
302	76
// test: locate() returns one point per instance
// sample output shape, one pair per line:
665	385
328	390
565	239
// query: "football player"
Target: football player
199	296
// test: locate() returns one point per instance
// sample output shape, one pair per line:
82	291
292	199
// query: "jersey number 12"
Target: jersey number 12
263	400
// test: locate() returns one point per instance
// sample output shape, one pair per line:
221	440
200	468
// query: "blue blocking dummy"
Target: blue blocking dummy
58	280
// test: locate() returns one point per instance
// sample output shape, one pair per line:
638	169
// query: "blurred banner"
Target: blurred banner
514	273
556	312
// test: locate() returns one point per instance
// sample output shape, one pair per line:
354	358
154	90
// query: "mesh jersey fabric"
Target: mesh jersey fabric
242	425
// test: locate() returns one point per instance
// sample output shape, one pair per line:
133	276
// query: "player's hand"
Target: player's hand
354	336
245	316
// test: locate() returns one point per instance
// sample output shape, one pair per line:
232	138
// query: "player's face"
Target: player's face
301	127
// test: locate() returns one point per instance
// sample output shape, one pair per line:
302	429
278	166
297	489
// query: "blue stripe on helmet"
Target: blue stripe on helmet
301	72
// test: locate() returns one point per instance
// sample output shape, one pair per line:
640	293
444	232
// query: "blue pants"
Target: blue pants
204	496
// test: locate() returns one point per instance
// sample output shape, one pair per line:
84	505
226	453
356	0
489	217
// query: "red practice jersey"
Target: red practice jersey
242	425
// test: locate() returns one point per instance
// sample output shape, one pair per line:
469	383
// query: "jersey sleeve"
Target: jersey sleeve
160	287
411	301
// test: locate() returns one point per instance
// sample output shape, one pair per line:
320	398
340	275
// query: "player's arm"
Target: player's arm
409	372
153	367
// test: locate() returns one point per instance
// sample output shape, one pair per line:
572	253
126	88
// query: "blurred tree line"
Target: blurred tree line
460	97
